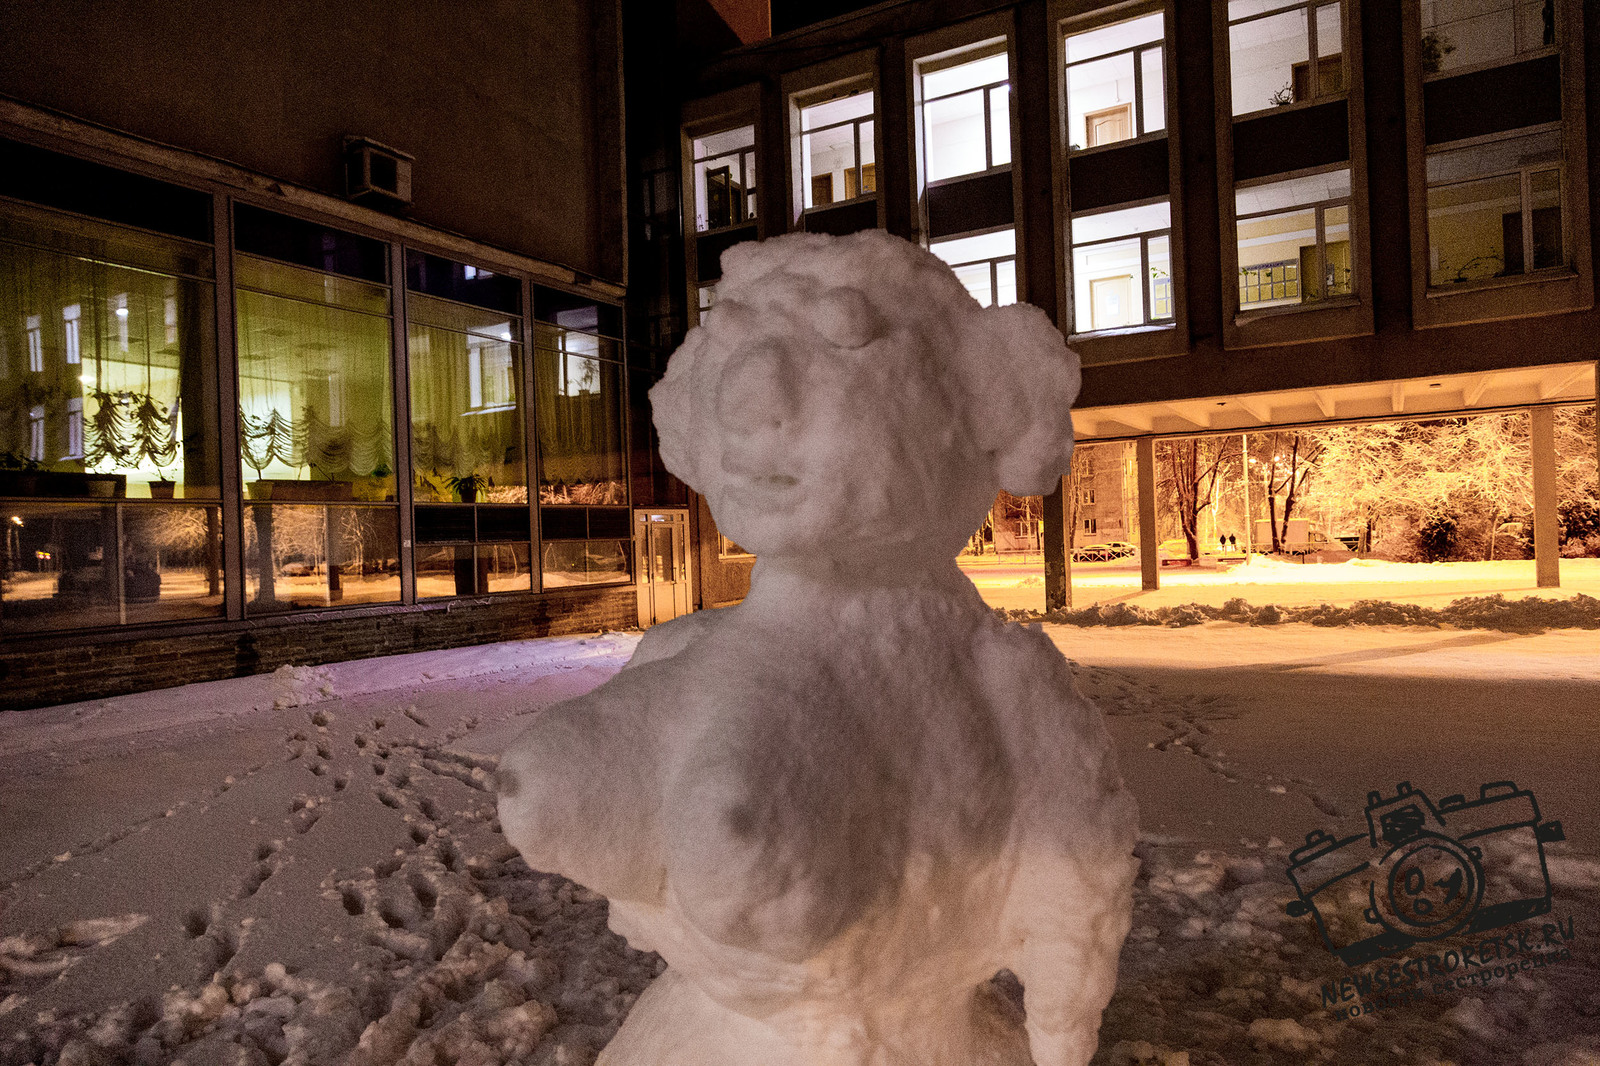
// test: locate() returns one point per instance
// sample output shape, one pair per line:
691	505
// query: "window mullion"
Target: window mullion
1527	221
1138	92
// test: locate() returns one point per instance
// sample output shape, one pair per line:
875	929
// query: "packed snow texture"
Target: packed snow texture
842	807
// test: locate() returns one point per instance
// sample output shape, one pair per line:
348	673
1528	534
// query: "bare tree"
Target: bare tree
1193	469
1285	459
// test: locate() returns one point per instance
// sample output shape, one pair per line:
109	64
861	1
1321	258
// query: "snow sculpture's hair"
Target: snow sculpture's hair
1007	375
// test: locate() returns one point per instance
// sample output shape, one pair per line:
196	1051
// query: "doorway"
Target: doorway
1110	300
661	548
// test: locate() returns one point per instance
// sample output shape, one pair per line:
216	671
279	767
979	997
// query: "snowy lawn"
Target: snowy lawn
305	867
1020	586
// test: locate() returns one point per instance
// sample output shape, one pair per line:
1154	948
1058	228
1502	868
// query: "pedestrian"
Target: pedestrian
1222	543
1233	542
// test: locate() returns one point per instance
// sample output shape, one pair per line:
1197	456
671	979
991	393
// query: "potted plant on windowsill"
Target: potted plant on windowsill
161	488
468	487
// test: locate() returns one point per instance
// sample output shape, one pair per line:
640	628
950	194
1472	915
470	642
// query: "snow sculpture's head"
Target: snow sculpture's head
847	399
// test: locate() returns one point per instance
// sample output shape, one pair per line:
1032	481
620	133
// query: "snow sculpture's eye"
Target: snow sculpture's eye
847	318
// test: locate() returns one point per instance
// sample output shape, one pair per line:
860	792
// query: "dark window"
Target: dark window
293	240
60	181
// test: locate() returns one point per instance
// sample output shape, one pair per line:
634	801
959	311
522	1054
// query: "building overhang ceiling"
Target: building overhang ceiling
1438	396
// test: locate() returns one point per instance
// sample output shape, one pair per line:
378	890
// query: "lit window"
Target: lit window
985	264
1270	50
966	116
35	345
1090	525
1294	241
1494	210
119	305
70	316
36	434
1122	267
169	317
837	160
725	178
1115	82
75	428
1458	34
708	298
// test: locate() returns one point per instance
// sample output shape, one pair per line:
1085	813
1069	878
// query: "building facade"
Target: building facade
1242	215
312	338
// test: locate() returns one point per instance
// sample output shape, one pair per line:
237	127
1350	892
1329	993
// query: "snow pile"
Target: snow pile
1529	615
840	807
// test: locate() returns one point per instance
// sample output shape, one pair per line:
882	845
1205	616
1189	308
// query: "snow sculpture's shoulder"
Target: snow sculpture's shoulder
667	639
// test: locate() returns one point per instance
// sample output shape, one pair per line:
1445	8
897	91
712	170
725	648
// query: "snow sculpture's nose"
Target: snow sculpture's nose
758	392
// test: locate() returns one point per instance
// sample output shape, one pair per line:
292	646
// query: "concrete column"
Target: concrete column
1150	563
1546	555
1057	548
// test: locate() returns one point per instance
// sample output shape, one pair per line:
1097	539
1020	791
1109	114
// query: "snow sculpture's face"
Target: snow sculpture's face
847	400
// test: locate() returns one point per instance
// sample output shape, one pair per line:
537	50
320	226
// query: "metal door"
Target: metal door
661	547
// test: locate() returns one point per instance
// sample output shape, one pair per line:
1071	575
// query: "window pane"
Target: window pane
1005	282
465	570
1338	272
724	142
305	555
314	388
104	371
976	279
1154	88
1124	223
1274	196
584	562
1545	189
869	170
1108	292
578	401
59	564
466	414
955	132
1000	125
998	245
1107	39
971	75
1465	33
1330	52
1160	252
1100	102
856	105
1271	251
721	192
1269	59
1474	230
829	156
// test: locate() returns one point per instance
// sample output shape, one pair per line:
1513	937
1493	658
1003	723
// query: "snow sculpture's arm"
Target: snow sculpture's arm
580	790
1071	899
667	639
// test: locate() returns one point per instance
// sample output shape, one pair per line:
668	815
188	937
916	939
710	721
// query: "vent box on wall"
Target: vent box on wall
376	174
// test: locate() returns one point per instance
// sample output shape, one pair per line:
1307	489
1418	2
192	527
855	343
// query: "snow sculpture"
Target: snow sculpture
840	807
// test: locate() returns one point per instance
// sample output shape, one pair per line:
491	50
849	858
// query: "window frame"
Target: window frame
819	84
1167	338
1316	98
951	59
1101	20
1318	208
1324	320
704	117
1532	293
1490	64
1146	301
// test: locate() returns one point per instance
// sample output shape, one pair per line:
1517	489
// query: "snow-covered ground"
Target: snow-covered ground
305	867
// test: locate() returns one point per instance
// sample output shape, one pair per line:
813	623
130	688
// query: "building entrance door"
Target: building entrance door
661	547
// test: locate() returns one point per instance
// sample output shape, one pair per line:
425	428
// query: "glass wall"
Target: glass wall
725	178
1116	82
109	458
1294	241
1271	46
470	480
837	159
316	418
966	114
578	408
1122	267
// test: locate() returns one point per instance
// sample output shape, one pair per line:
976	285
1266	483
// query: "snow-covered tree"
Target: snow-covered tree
1190	475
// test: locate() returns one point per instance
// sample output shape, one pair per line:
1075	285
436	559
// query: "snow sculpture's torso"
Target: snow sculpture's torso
840	807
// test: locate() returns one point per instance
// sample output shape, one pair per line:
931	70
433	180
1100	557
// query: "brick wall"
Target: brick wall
67	668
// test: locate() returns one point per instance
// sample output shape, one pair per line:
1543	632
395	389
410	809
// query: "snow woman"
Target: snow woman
839	808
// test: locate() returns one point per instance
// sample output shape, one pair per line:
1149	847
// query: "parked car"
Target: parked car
1103	552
